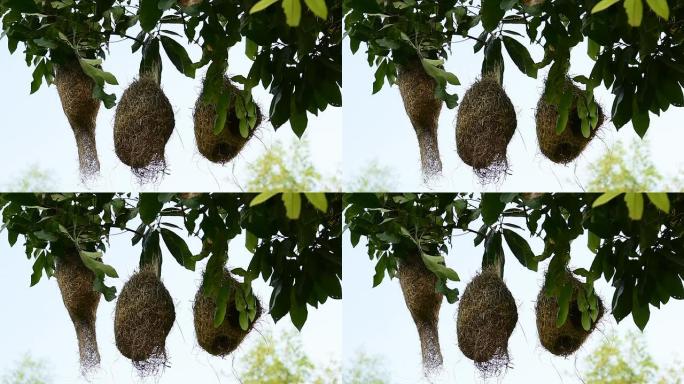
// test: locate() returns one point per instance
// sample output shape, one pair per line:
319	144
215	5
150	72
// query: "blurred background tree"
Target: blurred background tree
281	359
626	360
373	178
288	168
365	369
33	179
630	168
28	370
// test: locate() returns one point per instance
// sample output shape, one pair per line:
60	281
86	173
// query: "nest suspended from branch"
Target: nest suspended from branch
485	124
568	338
143	319
487	315
417	90
75	91
418	286
75	283
143	124
225	146
565	147
226	338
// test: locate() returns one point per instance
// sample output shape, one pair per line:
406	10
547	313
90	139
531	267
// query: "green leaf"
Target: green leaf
178	56
178	248
593	242
603	5
640	311
293	204
635	205
149	14
149	207
318	7
520	56
635	12
262	197
436	265
520	248
47	236
251	241
491	14
605	198
564	112
251	49
564	304
491	207
261	5
45	43
298	313
660	200
293	12
660	8
318	200
97	74
221	305
91	260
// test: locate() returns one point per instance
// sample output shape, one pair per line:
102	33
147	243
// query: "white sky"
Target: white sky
377	321
376	127
36	132
34	320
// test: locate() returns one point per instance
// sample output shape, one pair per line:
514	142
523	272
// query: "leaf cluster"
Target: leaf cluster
300	258
301	66
637	240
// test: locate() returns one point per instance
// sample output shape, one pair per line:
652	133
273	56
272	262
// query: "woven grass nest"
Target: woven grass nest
418	286
143	319
225	146
417	91
75	283
567	146
75	91
485	124
143	124
568	338
222	340
487	315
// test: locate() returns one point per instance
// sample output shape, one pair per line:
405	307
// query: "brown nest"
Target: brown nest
225	146
418	285
487	315
143	319
75	282
485	124
75	91
143	125
565	147
417	90
226	338
569	337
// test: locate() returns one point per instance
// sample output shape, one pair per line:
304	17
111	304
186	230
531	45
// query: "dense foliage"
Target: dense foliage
296	52
637	240
636	49
295	240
